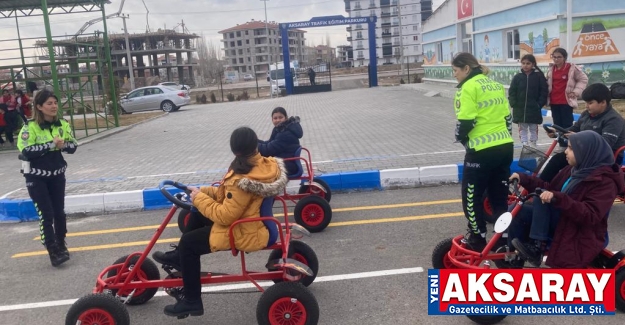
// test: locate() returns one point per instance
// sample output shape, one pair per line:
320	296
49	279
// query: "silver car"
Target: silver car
154	97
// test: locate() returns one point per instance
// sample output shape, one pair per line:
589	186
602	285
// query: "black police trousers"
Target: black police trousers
487	169
48	195
193	244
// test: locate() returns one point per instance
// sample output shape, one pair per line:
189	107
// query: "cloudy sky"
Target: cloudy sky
205	17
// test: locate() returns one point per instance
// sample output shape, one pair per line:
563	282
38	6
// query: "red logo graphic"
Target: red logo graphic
465	8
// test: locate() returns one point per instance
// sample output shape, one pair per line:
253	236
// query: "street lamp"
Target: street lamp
268	49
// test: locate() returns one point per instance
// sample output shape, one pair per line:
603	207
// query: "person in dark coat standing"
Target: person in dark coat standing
527	95
573	210
311	76
284	139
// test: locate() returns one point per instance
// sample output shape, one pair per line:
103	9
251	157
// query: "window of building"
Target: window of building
238	34
512	44
359	35
231	44
372	13
396	31
359	45
357	14
240	51
371	3
416	48
233	52
415	28
360	55
243	69
231	35
234	61
239	43
247	41
249	59
247	32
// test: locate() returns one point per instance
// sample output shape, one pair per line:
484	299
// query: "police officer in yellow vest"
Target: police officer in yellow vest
484	128
41	142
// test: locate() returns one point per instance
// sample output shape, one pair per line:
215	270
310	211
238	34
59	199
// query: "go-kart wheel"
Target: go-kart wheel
183	219
302	253
97	309
313	213
620	289
287	303
326	193
440	259
489	215
148	271
486	320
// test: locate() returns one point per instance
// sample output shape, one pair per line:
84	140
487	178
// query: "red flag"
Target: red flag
465	8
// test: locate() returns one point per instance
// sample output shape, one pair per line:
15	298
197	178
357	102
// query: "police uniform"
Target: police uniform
44	171
484	128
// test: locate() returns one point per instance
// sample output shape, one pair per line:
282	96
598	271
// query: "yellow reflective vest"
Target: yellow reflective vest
484	119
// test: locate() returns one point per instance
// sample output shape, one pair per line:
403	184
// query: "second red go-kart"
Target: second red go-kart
134	279
453	253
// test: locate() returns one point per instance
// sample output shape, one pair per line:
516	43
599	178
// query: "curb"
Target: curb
21	210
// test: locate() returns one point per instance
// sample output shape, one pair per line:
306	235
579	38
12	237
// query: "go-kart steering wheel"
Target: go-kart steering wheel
556	127
175	199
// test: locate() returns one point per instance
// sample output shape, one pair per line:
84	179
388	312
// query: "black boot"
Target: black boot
476	242
63	247
531	252
184	308
171	258
56	256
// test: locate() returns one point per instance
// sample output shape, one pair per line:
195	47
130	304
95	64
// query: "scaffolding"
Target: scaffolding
81	75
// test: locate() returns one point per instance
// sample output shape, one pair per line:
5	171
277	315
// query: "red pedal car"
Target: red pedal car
134	279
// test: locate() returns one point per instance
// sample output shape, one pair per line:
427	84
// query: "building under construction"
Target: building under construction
163	55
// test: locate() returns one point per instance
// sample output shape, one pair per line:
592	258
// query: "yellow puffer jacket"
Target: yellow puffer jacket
239	197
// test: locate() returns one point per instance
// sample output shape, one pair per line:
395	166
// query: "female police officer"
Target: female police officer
41	142
484	128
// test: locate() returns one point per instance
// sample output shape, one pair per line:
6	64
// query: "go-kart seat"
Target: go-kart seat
298	163
266	210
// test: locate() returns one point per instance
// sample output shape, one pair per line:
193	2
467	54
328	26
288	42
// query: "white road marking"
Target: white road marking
230	287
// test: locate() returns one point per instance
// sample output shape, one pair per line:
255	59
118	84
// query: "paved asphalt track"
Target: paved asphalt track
371	231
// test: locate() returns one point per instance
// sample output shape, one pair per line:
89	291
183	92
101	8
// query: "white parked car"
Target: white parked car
153	98
175	85
248	77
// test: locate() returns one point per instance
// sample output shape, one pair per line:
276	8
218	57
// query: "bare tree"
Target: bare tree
209	59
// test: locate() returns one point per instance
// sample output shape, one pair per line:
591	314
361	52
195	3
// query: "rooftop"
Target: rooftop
9	5
254	24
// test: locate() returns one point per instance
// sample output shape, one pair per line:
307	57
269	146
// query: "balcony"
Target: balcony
349	38
372	5
386	24
357	8
386	44
395	13
386	14
358	27
360	47
349	28
386	3
360	58
386	34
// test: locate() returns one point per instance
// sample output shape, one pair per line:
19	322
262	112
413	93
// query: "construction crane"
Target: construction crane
93	21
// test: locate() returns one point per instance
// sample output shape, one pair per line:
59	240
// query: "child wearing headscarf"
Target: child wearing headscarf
572	211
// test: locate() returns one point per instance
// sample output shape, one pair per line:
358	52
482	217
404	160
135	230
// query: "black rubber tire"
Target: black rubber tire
439	255
489	217
151	272
165	104
620	289
302	213
327	195
309	258
183	216
486	320
99	302
292	290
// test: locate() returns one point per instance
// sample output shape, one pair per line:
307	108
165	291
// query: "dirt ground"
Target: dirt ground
124	120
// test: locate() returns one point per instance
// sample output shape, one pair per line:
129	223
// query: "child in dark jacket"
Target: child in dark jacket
284	139
527	95
573	210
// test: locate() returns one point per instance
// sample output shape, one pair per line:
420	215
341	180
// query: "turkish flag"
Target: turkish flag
465	8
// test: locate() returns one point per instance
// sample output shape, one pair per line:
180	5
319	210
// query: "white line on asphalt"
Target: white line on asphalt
229	287
4	196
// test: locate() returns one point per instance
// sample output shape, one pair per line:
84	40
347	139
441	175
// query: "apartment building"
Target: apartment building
247	47
398	29
345	56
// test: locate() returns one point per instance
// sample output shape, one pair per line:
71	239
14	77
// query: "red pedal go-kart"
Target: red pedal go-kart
453	253
312	202
134	279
